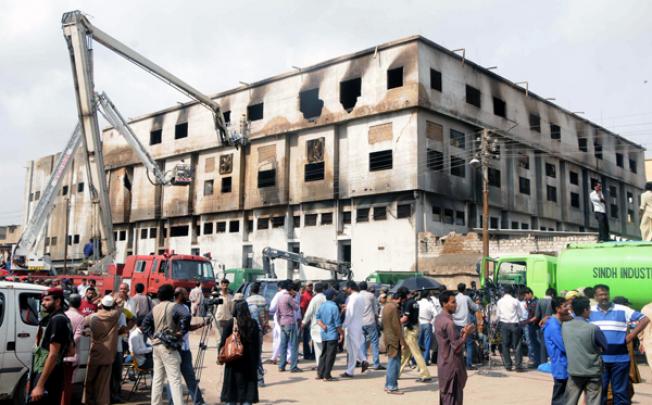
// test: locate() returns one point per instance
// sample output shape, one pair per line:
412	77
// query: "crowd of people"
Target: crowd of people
583	337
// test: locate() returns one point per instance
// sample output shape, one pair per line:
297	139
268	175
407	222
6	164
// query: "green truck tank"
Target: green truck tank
626	267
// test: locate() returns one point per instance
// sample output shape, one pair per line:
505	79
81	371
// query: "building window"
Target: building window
53	241
313	171
143	233
435	160
630	198
123	235
226	184
435	80
500	108
458	139
80	187
575	200
221	227
473	96
458	167
266	178
613	210
37	195
525	226
346	217
403	210
555	132
582	144
64	190
395	78
250	225
327	218
263	223
619	159
524	161
76	239
597	147
630	216
381	160
448	216
632	165
535	122
181	130
296	221
208	228
227	117
278	222
234	226
181	230
208	187
460	218
574	178
255	112
436	214
524	185
310	104
380	213
551	193
349	93
493	223
514	225
362	215
155	136
152	233
494	177
551	170
310	220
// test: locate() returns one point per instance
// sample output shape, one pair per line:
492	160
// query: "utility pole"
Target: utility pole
482	158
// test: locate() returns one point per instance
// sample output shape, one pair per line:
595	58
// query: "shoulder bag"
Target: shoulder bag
232	349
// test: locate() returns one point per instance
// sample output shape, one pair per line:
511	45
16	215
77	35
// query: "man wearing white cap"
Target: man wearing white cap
104	336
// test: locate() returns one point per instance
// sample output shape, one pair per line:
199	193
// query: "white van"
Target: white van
19	309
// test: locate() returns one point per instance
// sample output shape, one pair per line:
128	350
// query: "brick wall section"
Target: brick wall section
455	258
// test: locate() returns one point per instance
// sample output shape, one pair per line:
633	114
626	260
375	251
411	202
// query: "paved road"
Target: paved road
484	386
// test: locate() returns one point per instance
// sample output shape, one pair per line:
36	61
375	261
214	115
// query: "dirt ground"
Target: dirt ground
486	386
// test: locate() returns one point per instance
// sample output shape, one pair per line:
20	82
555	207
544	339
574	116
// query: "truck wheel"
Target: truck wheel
20	396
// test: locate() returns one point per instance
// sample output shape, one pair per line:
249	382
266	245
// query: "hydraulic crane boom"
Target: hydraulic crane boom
334	266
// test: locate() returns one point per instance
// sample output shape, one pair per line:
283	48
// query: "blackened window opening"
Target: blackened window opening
555	132
381	160
435	80
255	112
155	136
266	178
350	90
535	122
310	104
176	231
181	130
226	184
435	160
500	108
314	171
395	78
473	96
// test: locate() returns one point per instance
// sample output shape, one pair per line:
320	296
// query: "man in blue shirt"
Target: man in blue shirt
328	319
556	350
613	319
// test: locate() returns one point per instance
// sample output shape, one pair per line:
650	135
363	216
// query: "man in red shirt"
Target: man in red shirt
306	297
88	305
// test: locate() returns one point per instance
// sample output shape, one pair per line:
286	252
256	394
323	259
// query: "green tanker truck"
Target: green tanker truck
626	267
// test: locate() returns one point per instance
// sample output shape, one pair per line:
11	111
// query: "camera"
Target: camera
210	304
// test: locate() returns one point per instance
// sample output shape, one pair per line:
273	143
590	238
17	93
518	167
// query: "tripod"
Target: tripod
198	367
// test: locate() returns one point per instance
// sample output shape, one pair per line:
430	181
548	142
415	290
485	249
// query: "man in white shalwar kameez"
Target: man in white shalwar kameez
646	213
353	325
276	332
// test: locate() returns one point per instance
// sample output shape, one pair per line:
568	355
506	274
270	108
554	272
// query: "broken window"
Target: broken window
395	78
436	214
226	185
458	167
380	213
473	96
80	187
500	108
551	170
524	161
208	187
494	177
582	144
620	160
226	163
460	218
435	160
349	93
310	104
551	193
221	227
362	215
555	132
346	217
255	112
123	235
493	222
152	233
227	117
403	210
574	178
448	216
234	226
181	230
143	233
435	80
181	130
278	222
64	190
381	160
310	220
266	178
315	150
458	139
630	198
597	147
327	218
155	136
208	228
535	122
524	185
525	226
632	165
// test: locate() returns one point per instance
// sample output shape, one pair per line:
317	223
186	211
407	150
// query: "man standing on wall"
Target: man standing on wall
600	212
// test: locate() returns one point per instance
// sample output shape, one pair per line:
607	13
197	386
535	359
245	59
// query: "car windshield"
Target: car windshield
192	270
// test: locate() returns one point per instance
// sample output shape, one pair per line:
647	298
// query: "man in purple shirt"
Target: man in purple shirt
285	313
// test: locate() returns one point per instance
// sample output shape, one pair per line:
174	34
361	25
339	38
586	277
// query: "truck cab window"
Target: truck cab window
191	270
140	266
29	305
512	273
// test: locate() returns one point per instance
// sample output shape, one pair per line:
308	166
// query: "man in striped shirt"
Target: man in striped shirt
613	319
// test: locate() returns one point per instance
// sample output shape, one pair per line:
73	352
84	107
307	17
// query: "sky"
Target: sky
593	56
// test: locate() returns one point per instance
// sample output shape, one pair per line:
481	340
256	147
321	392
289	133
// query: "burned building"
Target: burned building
351	159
